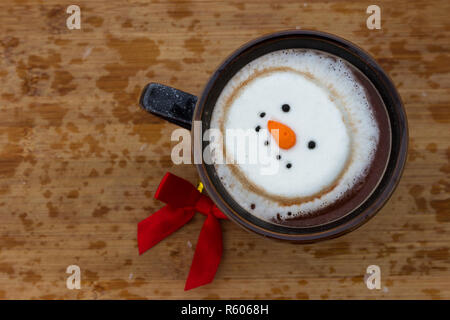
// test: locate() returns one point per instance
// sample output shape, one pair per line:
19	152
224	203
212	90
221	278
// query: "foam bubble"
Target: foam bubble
327	106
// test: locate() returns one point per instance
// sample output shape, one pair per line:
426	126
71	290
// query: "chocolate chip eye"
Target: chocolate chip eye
285	107
311	144
289	166
262	114
266	143
278	157
257	128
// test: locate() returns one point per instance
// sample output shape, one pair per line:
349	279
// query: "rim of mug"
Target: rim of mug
348	222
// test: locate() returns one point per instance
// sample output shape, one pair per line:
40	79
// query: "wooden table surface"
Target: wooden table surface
80	161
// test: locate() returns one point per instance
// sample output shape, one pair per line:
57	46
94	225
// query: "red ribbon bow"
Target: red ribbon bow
183	200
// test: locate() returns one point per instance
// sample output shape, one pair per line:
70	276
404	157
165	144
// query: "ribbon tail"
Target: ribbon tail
207	254
160	225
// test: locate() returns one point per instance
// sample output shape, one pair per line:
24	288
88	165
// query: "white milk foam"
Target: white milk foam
327	106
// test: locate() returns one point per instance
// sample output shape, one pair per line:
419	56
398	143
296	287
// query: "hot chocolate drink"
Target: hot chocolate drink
313	114
321	132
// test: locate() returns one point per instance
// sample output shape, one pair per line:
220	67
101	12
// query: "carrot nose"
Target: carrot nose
286	136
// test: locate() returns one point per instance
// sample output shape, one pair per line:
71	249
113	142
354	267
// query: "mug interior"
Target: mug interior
388	163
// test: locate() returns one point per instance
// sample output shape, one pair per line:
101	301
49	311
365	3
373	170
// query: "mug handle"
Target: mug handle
171	104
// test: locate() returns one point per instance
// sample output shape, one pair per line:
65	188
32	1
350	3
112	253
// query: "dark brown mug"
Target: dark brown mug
183	108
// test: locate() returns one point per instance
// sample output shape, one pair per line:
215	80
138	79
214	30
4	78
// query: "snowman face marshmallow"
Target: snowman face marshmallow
286	108
311	113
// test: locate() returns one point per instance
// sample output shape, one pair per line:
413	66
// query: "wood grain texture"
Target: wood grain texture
79	160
